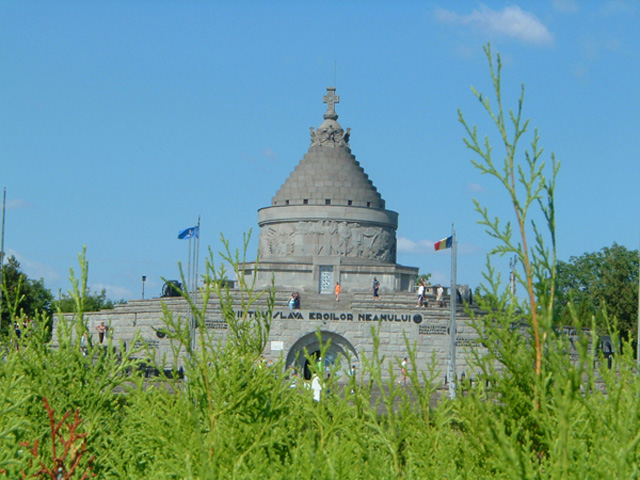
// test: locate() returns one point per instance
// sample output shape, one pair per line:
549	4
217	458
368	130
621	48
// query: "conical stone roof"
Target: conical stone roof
328	223
329	174
328	207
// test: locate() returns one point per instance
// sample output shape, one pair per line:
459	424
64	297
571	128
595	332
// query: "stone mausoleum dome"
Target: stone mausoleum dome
328	222
329	174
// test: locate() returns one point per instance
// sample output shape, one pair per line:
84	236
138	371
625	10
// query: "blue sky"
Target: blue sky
122	122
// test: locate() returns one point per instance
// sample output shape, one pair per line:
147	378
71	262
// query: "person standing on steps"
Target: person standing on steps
292	300
440	296
376	289
425	299
296	301
420	295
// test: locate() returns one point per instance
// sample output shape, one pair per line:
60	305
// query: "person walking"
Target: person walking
337	289
403	369
102	329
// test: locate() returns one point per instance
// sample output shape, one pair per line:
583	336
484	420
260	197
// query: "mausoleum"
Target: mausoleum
328	223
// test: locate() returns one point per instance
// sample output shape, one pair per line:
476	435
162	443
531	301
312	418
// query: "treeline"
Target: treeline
24	298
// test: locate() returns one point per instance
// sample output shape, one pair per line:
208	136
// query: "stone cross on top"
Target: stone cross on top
331	99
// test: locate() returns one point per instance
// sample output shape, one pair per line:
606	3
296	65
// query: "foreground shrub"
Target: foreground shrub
533	411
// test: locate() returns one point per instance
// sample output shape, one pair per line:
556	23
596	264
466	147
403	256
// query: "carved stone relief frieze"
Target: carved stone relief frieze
328	237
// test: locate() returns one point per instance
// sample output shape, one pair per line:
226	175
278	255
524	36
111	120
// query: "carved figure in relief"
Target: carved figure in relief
358	244
328	237
387	239
300	235
329	135
278	241
287	239
344	236
334	239
370	235
345	138
266	236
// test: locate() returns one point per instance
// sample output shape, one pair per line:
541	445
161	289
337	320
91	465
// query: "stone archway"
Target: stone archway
340	350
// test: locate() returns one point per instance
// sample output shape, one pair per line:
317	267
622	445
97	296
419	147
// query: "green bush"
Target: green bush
531	412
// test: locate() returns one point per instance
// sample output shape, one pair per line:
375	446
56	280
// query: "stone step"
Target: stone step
310	300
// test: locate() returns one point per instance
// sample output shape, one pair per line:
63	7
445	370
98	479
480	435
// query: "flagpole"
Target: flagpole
191	256
188	286
4	202
452	320
197	255
638	340
190	233
192	316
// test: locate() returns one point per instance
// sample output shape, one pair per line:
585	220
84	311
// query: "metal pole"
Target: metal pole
193	280
4	202
452	321
197	254
189	266
638	345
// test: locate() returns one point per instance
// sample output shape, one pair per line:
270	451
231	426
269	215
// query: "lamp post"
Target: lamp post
144	279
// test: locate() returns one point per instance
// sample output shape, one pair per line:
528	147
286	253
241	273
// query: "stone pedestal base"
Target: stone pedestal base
320	274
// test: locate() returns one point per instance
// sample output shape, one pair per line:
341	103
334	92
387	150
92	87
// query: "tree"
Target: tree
601	284
529	186
92	302
21	295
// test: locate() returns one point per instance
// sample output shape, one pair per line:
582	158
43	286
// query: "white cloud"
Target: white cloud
34	270
619	7
592	51
476	188
566	6
512	22
405	245
17	204
269	154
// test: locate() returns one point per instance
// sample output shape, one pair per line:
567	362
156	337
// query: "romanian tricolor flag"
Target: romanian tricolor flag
444	243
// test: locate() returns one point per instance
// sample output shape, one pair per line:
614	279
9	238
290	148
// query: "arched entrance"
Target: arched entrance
340	351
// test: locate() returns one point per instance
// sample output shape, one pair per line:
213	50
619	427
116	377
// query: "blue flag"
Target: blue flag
191	232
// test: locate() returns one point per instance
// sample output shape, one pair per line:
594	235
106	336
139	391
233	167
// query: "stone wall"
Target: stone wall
348	325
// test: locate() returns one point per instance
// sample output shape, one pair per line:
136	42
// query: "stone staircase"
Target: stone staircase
358	301
349	301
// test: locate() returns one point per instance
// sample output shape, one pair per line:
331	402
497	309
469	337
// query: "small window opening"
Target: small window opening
286	202
349	202
305	201
327	201
368	204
